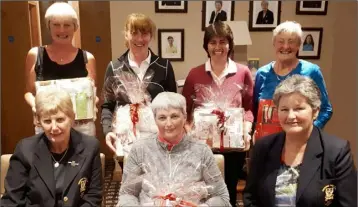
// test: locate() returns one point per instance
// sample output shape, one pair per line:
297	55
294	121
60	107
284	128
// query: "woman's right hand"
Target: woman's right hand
110	141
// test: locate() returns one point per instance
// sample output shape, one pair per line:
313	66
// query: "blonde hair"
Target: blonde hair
52	100
290	27
61	10
139	22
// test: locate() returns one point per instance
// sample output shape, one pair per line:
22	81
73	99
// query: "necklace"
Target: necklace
57	163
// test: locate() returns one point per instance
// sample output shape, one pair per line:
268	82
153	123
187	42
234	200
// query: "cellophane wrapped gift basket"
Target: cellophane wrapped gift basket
133	117
219	118
170	187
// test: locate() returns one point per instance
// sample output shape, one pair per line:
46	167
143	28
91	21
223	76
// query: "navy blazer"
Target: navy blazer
30	177
327	161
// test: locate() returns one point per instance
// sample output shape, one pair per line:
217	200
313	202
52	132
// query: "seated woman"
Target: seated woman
170	166
301	166
59	167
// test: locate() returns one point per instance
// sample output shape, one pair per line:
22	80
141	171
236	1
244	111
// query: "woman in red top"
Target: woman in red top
219	71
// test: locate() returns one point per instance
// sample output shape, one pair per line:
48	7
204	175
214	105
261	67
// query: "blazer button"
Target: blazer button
65	199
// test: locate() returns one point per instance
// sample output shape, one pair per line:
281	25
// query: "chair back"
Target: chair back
5	161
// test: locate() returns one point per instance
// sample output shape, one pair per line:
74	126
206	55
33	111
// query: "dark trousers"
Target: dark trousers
234	162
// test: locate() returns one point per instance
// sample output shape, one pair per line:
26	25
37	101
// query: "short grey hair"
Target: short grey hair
302	85
166	100
61	10
290	27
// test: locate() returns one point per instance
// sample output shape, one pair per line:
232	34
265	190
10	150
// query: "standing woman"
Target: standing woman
60	59
139	31
219	70
286	41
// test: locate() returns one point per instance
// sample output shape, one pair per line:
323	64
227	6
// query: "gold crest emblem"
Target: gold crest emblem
82	183
329	194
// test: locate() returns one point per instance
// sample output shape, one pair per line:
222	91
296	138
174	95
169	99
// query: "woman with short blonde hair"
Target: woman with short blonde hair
60	59
58	167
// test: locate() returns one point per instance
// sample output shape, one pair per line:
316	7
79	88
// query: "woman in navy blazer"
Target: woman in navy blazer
301	166
60	167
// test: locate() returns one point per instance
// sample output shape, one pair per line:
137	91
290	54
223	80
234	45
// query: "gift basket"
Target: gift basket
180	186
133	117
219	118
82	92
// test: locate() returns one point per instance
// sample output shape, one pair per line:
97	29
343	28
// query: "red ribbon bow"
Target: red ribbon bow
134	116
221	121
172	197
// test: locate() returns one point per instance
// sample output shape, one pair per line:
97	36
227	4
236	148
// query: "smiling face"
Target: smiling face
62	30
218	47
286	46
170	123
296	116
138	42
57	127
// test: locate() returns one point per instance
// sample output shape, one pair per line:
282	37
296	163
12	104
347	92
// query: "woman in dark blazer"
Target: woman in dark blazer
301	166
60	167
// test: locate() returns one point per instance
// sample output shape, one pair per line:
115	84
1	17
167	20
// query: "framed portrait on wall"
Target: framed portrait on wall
311	7
311	43
217	11
264	15
171	44
171	6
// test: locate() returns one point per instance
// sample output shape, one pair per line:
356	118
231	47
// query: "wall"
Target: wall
337	25
16	116
344	73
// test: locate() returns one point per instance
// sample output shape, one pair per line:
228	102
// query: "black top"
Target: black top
163	80
59	175
46	69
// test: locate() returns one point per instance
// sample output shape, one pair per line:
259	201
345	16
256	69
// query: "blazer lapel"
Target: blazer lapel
311	161
273	167
75	161
43	165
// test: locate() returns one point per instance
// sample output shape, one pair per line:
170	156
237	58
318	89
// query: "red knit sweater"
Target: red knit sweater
242	77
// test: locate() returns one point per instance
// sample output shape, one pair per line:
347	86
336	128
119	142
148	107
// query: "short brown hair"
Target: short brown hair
140	22
218	29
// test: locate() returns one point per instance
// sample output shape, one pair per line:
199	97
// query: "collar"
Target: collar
230	67
132	63
170	145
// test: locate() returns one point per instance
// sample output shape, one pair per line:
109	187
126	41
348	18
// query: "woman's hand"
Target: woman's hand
110	141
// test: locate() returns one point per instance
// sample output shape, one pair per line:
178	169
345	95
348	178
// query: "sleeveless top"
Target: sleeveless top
46	69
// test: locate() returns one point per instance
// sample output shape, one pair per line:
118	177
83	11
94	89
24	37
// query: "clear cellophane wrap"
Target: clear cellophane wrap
134	119
82	92
176	188
219	118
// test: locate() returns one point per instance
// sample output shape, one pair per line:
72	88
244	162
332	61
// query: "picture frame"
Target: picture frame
208	12
171	44
253	64
171	6
259	20
311	7
311	49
